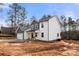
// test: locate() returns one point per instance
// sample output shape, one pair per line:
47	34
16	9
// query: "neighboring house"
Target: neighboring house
7	30
46	29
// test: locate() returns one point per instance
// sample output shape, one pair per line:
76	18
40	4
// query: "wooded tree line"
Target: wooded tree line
69	23
72	32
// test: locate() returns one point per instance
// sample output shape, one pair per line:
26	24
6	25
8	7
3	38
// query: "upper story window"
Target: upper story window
42	25
36	26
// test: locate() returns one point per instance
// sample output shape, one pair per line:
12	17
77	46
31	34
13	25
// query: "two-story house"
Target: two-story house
49	28
46	29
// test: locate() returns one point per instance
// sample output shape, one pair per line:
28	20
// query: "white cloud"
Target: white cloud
4	6
70	14
76	4
2	22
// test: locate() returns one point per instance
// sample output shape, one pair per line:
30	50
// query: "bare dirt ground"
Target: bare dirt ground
7	38
40	48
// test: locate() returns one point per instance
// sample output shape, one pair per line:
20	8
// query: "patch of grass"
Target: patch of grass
6	35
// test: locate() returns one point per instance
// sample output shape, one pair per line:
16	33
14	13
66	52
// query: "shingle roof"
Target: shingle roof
45	18
34	21
31	31
21	29
49	17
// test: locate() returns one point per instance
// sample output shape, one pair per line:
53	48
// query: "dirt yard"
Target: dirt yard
39	48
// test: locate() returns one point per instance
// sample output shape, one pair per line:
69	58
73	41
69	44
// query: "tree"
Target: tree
71	24
16	14
43	17
49	15
33	18
63	18
77	25
74	26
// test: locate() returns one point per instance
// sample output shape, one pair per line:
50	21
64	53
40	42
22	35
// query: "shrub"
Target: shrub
6	35
70	35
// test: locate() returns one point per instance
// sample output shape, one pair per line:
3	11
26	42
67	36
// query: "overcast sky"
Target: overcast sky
40	9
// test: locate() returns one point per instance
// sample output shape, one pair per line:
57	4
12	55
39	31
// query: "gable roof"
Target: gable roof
58	19
34	22
48	18
21	29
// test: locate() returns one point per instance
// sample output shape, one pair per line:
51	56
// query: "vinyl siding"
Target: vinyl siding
54	28
43	30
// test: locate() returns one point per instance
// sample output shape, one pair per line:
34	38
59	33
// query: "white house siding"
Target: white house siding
20	36
25	35
43	30
54	28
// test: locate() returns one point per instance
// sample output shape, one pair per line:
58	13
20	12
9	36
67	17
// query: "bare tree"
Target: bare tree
63	18
16	14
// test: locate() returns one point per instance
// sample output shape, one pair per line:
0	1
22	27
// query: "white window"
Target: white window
42	25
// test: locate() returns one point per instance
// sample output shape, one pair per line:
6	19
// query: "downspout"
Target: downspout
48	30
23	35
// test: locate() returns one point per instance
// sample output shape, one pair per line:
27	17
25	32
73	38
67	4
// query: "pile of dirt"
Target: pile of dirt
71	53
